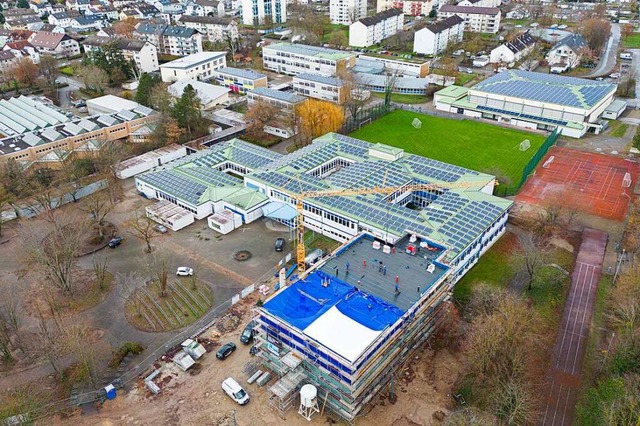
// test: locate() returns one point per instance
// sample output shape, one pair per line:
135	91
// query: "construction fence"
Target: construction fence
530	167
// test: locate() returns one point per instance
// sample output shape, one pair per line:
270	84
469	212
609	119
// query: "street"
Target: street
610	54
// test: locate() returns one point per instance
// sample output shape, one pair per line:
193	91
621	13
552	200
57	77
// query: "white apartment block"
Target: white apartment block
346	12
214	29
293	59
319	87
434	38
199	66
480	3
170	40
373	29
254	12
143	53
408	7
477	19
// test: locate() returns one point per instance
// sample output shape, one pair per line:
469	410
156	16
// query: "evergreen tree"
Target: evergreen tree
143	95
2	19
188	110
23	4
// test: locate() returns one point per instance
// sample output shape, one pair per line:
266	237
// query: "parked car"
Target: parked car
279	246
183	271
80	103
235	391
115	242
226	350
161	229
247	334
615	75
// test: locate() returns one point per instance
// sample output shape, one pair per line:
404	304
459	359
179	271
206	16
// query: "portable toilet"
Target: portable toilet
110	391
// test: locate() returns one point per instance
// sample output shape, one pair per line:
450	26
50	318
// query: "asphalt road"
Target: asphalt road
610	55
63	92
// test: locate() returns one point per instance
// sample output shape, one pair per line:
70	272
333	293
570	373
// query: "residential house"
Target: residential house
108	32
78	5
21	22
212	28
254	12
477	19
567	52
48	28
53	44
8	60
205	8
513	51
320	87
436	37
63	19
198	66
128	13
143	53
88	22
23	48
239	80
371	30
108	11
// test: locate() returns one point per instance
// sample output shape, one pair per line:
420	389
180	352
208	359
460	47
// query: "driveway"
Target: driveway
610	55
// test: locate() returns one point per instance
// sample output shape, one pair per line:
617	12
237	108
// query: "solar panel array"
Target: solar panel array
436	170
445	206
470	222
369	174
249	158
210	159
549	88
304	182
314	159
211	176
176	184
524	116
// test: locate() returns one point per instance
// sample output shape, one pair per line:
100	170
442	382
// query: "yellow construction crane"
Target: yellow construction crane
299	199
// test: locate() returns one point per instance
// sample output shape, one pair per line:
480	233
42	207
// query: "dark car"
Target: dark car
115	242
226	350
279	244
247	334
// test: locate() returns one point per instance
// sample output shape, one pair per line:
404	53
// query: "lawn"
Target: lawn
468	143
331	28
401	98
618	129
632	42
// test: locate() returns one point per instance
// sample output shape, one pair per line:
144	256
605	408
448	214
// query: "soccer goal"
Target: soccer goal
416	123
525	145
364	122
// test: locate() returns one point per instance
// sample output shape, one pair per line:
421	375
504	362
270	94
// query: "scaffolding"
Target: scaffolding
285	390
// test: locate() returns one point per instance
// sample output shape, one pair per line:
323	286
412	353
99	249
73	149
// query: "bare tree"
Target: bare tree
100	270
596	31
162	277
143	228
530	258
355	94
109	156
98	208
390	82
6	200
260	114
50	342
129	292
55	256
45	202
77	343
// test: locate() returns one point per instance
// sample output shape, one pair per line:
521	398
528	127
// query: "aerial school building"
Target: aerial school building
384	288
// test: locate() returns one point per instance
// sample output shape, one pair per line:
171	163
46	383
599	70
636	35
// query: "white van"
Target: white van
313	257
235	391
626	55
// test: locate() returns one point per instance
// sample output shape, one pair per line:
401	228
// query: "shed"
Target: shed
183	360
614	110
224	221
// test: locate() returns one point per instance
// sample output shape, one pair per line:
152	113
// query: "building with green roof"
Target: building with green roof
533	101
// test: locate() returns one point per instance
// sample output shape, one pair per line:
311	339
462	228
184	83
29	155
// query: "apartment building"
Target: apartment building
54	44
408	7
346	12
319	87
476	19
436	37
239	80
199	66
480	3
169	39
514	50
213	28
373	29
293	59
255	12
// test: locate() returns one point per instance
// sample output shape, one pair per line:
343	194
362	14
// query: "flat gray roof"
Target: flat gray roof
239	72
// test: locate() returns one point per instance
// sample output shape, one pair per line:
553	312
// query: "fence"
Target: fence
191	331
505	191
363	117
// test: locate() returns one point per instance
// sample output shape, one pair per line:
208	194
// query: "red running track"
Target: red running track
568	351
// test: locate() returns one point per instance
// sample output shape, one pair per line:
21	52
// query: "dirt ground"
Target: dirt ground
195	397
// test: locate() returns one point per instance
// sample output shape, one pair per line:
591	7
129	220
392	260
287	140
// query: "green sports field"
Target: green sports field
469	143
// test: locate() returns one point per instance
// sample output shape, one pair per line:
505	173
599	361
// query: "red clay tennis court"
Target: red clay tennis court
594	183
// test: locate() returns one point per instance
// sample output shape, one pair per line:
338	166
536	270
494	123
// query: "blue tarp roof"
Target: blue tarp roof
278	210
307	300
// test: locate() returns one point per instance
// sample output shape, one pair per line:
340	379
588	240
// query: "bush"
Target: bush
66	71
636	139
126	348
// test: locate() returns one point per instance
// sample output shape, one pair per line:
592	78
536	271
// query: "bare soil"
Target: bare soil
423	389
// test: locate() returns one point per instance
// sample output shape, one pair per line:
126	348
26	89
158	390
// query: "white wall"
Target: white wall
249	15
